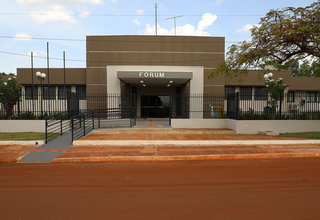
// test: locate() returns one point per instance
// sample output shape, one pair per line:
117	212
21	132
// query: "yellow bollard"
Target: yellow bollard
218	112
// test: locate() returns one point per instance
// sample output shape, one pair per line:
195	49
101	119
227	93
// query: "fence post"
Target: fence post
18	98
61	124
280	105
237	106
46	130
71	130
84	125
170	109
92	120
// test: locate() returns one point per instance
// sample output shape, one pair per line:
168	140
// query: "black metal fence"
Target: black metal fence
42	104
284	106
197	106
84	123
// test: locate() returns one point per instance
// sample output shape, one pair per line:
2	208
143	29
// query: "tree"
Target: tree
306	69
9	94
280	37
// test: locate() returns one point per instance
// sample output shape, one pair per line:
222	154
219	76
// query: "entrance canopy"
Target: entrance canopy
154	78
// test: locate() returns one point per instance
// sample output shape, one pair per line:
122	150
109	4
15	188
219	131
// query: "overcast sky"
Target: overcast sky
27	25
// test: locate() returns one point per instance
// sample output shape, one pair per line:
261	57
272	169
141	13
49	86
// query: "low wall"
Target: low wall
281	126
250	126
199	123
22	125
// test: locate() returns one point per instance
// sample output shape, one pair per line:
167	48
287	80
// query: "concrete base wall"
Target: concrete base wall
251	126
22	125
199	123
281	126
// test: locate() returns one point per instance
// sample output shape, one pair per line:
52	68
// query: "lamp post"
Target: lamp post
41	77
268	76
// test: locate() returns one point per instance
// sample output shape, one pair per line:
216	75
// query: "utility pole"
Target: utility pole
175	26
156	13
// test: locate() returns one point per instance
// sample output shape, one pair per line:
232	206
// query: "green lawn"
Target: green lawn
310	135
26	136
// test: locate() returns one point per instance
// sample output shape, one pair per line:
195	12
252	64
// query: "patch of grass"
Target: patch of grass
309	135
22	136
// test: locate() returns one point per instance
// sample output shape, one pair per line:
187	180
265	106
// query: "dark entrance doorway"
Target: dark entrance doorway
155	106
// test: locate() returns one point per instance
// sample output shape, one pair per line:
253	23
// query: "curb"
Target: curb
193	143
181	158
39	143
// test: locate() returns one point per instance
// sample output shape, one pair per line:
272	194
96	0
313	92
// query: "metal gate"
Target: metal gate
72	103
233	105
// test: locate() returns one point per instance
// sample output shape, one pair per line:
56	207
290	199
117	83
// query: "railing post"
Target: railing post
61	124
18	98
84	125
237	106
280	107
46	130
170	109
92	120
71	130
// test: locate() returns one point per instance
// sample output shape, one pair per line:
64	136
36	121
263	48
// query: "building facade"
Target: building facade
153	68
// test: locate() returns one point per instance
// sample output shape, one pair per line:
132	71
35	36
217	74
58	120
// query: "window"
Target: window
260	93
313	97
82	91
63	94
52	94
228	90
245	93
290	96
28	92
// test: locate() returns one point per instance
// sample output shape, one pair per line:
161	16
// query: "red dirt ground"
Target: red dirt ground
219	189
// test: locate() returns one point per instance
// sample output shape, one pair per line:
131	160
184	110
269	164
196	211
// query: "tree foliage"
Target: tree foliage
281	36
306	69
9	95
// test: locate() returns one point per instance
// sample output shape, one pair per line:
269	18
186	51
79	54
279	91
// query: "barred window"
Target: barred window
51	95
62	94
82	91
228	90
245	93
290	96
28	92
260	93
313	97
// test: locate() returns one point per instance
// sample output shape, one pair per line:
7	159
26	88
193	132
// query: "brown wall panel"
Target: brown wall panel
74	76
213	89
155	43
305	83
252	79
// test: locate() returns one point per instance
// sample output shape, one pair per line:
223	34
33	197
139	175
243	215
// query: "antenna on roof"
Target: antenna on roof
175	26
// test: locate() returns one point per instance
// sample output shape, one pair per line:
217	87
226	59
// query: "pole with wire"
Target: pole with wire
175	26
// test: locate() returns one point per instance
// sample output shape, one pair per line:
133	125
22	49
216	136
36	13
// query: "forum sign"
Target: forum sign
151	75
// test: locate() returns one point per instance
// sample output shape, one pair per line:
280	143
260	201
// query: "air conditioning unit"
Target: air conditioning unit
294	107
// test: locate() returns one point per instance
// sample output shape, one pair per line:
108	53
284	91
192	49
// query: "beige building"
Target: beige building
153	68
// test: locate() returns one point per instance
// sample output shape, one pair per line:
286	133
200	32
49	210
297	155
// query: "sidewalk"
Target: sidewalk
167	145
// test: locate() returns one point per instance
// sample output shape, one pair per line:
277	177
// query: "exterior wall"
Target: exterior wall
250	127
149	51
74	76
22	125
199	123
281	126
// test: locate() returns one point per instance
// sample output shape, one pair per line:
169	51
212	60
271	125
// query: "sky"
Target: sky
30	25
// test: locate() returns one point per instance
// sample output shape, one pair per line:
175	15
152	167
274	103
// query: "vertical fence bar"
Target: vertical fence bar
46	130
61	123
84	125
71	130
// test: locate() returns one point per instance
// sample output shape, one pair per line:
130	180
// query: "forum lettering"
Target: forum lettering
151	75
